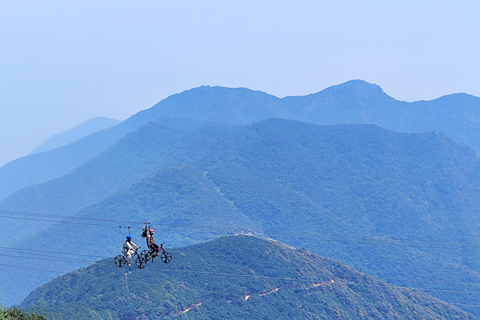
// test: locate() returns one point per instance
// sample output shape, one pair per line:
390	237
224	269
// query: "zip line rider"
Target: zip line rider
151	243
129	249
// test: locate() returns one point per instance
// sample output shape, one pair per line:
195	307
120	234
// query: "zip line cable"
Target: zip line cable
111	226
54	252
199	227
465	305
312	280
39	252
315	282
299	235
58	221
340	238
104	220
94	224
35	255
50	258
335	280
325	237
36	269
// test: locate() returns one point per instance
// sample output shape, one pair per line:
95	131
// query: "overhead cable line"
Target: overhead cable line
433	244
310	234
37	269
54	253
313	280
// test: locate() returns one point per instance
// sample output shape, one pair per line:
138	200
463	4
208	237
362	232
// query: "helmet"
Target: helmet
151	230
129	237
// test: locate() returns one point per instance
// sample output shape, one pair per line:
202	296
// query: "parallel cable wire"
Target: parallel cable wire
93	257
386	285
342	238
59	221
53	252
364	238
40	252
215	228
50	258
325	237
37	269
420	289
227	274
450	291
465	305
43	256
56	216
314	280
110	226
435	282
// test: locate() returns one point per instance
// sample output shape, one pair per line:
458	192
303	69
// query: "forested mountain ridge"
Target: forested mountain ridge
133	157
397	206
354	102
238	277
194	107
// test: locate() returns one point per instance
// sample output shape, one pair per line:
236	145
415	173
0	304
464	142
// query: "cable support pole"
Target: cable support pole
120	236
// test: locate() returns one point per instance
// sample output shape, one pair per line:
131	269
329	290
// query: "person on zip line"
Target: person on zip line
151	242
129	249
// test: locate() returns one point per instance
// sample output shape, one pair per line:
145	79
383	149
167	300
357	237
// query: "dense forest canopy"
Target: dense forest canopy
237	277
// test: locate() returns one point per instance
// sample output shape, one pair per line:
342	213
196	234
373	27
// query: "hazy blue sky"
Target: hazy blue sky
63	62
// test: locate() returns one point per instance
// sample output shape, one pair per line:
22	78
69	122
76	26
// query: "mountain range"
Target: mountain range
233	278
78	132
399	206
353	102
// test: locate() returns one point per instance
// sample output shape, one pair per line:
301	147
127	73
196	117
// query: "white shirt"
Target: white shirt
129	245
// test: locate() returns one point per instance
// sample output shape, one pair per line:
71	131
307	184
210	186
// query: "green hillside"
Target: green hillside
127	161
402	207
233	278
395	206
152	147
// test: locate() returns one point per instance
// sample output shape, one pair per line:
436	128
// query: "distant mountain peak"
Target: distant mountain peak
220	89
356	89
459	97
76	133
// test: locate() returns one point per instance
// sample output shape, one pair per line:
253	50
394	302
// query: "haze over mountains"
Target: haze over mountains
355	102
82	130
402	196
400	206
